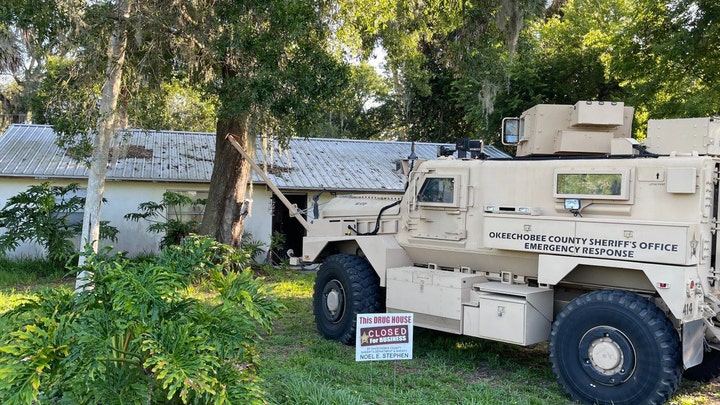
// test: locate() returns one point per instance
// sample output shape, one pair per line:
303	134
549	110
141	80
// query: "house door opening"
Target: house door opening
290	229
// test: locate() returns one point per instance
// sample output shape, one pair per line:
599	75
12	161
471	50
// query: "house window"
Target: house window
187	206
74	216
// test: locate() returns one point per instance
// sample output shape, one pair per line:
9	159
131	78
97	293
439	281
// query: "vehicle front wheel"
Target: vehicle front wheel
346	285
615	347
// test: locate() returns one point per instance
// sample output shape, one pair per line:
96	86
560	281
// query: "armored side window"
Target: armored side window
437	190
609	185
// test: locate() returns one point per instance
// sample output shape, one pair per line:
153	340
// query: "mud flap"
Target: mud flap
693	338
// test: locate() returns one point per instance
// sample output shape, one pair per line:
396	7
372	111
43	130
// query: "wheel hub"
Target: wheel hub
334	300
607	355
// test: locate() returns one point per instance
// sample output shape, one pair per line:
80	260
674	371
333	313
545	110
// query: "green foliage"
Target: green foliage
458	68
136	336
205	254
71	62
10	100
28	271
174	105
30	32
65	100
270	61
42	214
563	58
453	68
166	216
298	366
659	57
448	60
301	389
436	114
276	254
356	110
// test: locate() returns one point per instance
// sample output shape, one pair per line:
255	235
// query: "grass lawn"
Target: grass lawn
300	367
18	278
25	273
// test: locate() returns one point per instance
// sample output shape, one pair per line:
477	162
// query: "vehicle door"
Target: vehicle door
439	204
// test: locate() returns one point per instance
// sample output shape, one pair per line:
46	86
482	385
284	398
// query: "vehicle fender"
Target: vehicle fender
553	269
382	251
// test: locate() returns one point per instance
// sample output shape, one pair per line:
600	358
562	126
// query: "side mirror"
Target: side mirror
510	131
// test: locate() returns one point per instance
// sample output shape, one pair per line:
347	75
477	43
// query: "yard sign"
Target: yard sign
383	337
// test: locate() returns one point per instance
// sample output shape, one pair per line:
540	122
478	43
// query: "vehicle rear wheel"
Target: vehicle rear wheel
615	347
346	285
707	370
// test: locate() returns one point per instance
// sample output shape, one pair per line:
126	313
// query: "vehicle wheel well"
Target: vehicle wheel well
349	247
601	277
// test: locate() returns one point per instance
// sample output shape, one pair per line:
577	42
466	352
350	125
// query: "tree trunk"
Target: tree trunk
222	219
103	135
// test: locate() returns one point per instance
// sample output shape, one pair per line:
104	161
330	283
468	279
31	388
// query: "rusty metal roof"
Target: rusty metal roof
172	156
30	151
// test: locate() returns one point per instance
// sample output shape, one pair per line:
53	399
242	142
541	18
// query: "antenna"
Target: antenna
413	156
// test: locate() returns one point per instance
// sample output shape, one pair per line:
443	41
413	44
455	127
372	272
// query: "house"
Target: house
148	163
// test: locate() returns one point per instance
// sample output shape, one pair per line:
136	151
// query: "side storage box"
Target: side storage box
508	313
435	297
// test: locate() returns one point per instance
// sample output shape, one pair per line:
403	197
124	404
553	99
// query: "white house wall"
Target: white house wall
259	221
122	198
9	188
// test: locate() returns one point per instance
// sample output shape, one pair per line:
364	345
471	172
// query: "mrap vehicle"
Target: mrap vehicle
604	247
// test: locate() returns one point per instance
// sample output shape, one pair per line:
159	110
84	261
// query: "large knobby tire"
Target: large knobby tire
707	370
615	347
346	285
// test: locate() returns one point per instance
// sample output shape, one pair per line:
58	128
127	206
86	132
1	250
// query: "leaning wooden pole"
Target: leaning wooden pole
292	208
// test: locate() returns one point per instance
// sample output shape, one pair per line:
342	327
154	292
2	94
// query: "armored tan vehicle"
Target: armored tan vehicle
602	246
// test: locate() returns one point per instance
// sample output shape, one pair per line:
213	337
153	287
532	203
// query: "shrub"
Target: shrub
166	217
254	247
136	336
276	253
42	214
